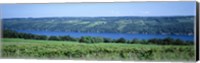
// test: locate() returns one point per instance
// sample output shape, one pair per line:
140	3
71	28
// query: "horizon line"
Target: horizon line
96	16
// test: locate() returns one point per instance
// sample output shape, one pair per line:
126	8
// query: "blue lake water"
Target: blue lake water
109	35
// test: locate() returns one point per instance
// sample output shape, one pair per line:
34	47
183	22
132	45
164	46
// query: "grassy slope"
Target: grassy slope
20	48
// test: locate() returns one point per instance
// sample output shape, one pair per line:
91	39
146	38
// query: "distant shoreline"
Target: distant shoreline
113	32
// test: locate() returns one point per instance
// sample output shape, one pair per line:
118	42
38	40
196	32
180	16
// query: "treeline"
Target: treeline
89	39
14	34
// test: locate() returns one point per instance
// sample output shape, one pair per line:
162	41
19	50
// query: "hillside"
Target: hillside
128	24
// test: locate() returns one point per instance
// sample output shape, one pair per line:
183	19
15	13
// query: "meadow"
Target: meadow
49	49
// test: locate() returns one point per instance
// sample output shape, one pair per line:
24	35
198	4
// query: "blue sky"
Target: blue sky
98	9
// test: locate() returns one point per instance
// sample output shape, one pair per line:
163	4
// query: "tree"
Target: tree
107	40
42	37
97	39
178	42
168	40
189	42
135	40
121	40
156	41
143	41
152	41
86	39
82	40
53	38
67	38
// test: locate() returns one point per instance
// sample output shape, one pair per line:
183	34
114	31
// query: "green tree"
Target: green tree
67	38
121	40
178	42
168	40
156	41
86	39
53	38
107	40
143	41
98	39
135	41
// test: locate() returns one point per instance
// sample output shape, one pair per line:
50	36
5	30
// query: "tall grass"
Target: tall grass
20	48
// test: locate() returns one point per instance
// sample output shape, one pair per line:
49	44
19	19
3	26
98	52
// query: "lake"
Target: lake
109	35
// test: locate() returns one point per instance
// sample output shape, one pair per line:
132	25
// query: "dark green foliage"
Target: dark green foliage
155	41
67	38
40	37
144	41
189	42
168	40
89	39
121	40
178	42
98	39
10	34
108	40
14	34
135	41
53	38
86	39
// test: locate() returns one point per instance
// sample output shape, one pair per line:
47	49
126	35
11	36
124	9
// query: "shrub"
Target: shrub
121	40
53	38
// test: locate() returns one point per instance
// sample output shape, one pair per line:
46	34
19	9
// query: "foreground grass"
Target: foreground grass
21	48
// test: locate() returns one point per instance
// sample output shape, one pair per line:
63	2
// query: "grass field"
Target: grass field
21	48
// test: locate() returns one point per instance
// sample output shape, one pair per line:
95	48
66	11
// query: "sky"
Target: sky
98	9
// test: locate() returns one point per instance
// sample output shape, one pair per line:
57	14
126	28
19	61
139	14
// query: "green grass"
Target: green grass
21	48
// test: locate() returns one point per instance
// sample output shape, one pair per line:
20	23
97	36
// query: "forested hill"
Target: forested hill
128	24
